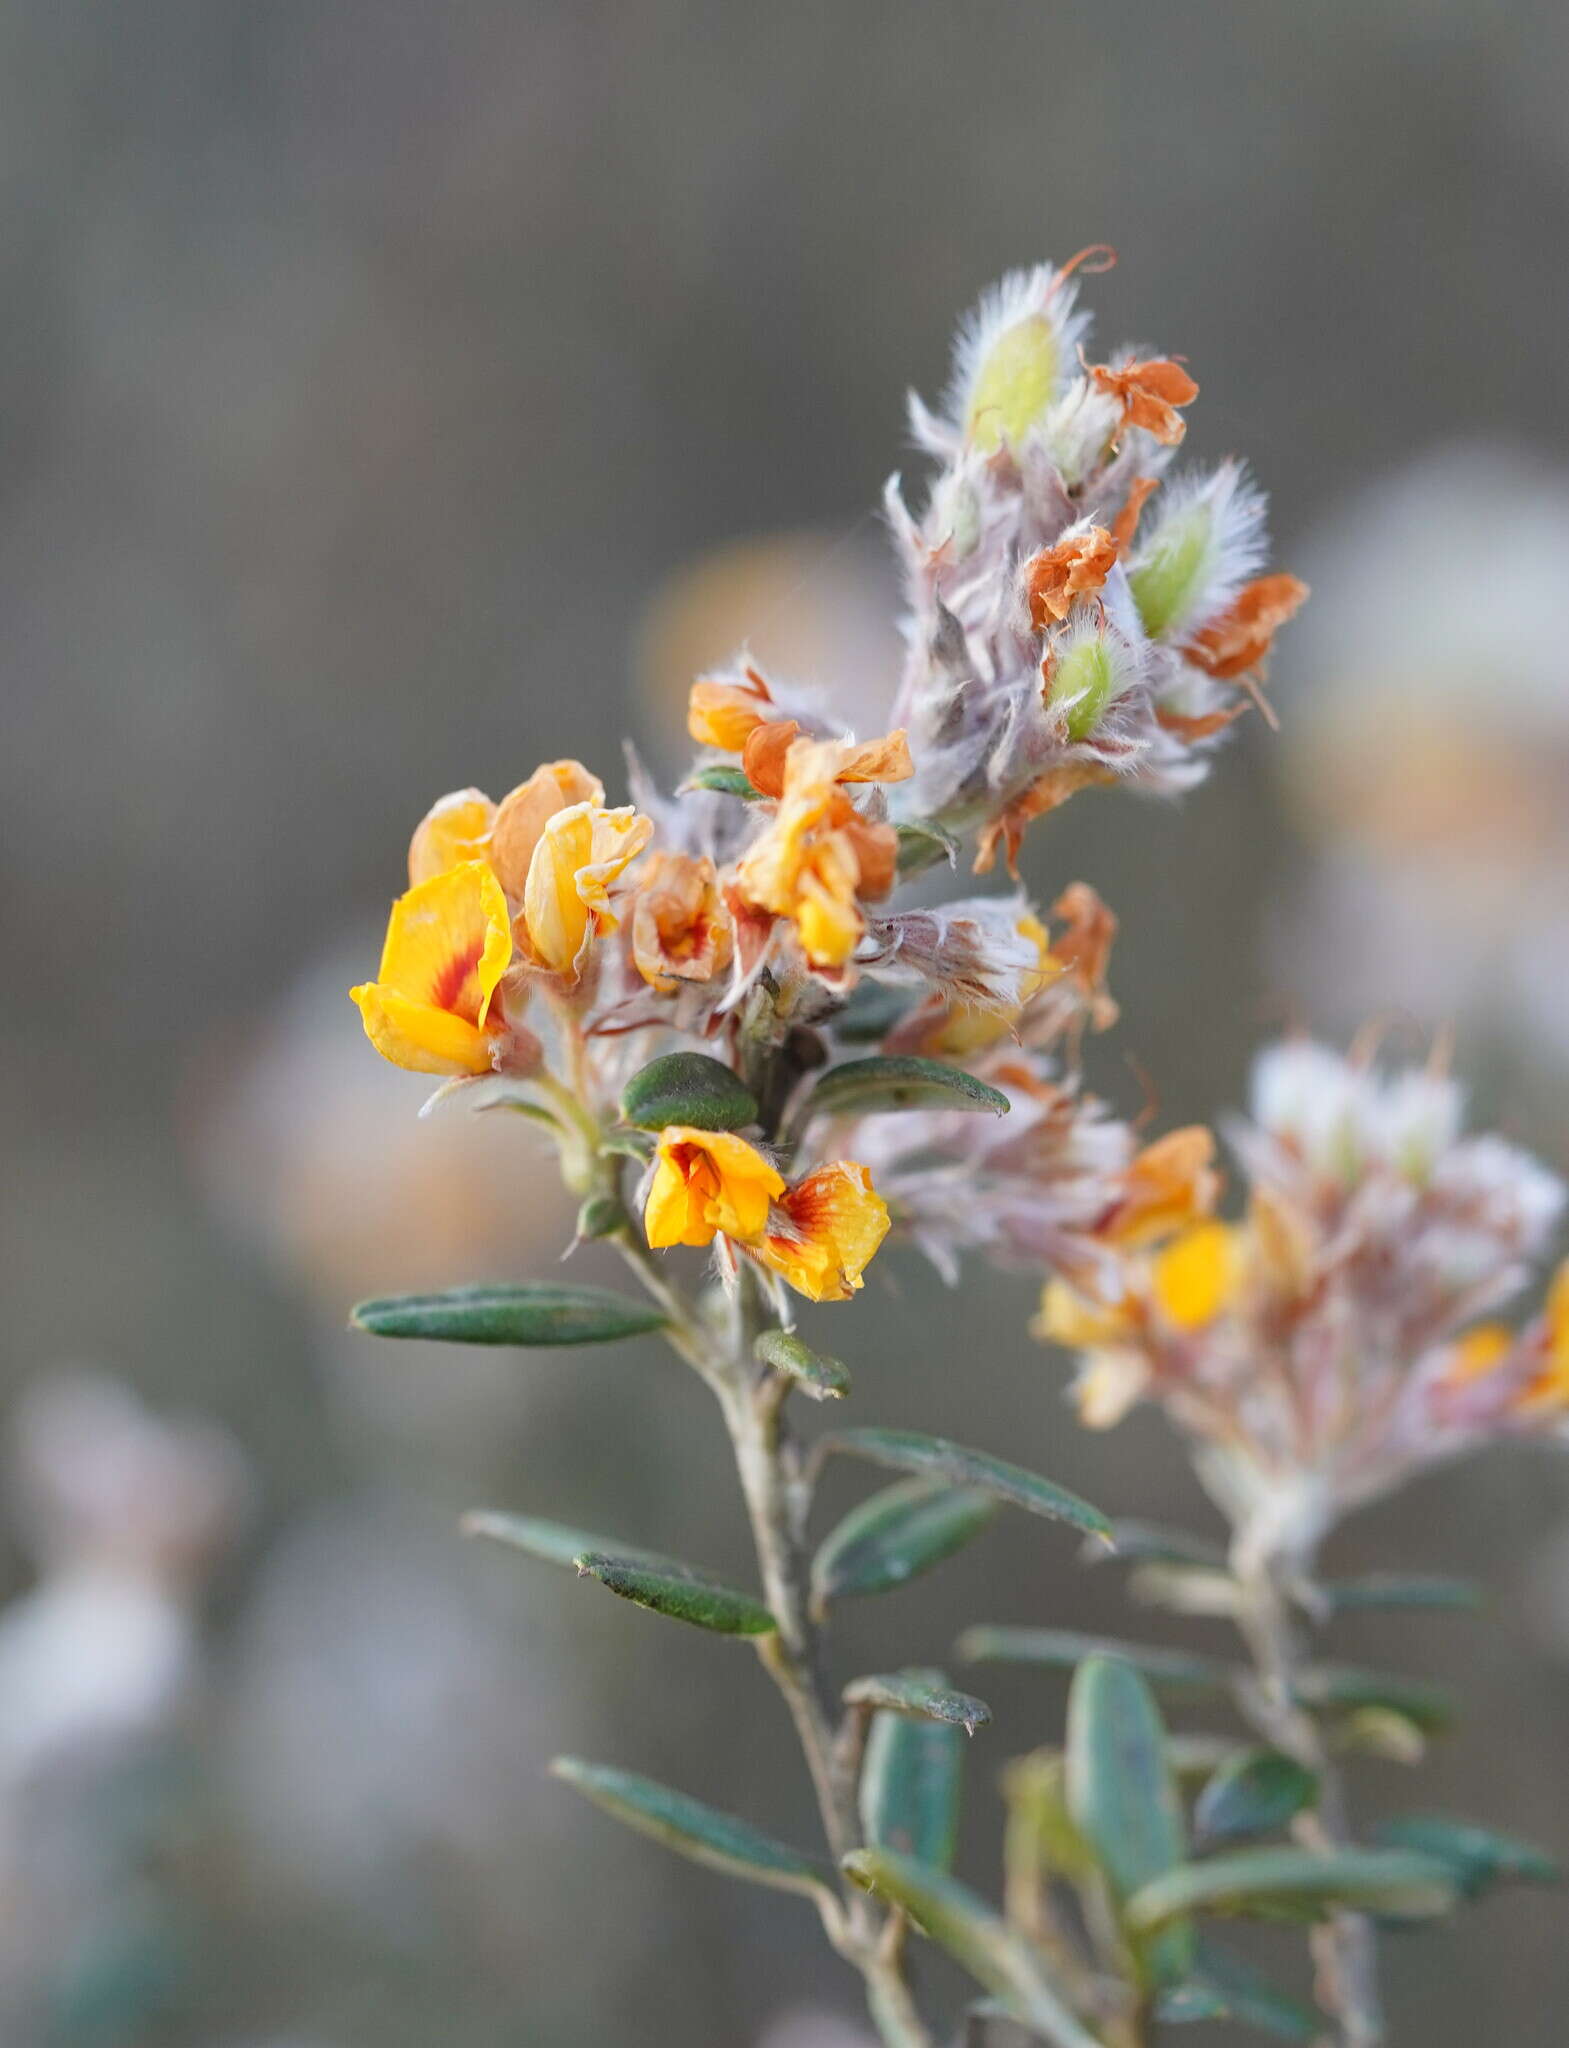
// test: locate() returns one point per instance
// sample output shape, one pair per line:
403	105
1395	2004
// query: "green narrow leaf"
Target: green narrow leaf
1478	1858
934	1457
699	1601
822	1378
1257	1793
693	1829
539	1313
1297	1884
911	1784
994	1954
1339	1688
896	1535
922	847
1064	1649
1041	1834
724	781
687	1088
1152	1543
1237	1991
557	1543
1122	1795
900	1081
913	1693
1391	1589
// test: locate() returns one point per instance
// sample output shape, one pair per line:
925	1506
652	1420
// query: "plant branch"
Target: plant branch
769	1470
1345	1948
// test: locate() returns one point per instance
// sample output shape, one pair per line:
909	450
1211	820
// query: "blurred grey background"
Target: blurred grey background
385	390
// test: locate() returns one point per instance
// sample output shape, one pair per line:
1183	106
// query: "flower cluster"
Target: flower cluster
554	939
1341	1333
1073	619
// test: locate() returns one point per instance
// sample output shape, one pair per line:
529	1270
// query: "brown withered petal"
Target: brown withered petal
1054	788
1149	394
763	755
1126	523
1084	947
1075	567
1241	637
523	814
876	849
880	760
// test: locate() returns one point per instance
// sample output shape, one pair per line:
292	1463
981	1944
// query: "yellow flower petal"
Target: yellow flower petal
1072	1319
1478	1351
566	898
455	828
834	1220
708	1184
449	941
1196	1275
414	1035
1109	1384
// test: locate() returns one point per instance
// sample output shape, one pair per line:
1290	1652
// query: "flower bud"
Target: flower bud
1083	682
1014	384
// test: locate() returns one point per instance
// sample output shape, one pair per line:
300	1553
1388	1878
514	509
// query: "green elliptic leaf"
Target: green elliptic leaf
1151	1543
995	1954
1222	1986
1122	1796
922	847
1476	1857
823	1379
693	1829
912	1783
556	1543
724	781
600	1216
1340	1689
1297	1884
934	1457
1064	1649
699	1601
914	1694
1391	1589
1257	1793
896	1535
687	1088
539	1313
900	1081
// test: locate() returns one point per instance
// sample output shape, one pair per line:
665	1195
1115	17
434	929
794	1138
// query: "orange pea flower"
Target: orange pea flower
449	941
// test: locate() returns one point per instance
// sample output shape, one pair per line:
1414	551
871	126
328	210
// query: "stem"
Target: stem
1345	1948
777	1499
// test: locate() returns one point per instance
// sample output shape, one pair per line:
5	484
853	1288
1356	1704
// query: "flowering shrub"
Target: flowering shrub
743	1042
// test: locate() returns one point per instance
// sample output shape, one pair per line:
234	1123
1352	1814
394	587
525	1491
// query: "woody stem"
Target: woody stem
777	1499
1345	1948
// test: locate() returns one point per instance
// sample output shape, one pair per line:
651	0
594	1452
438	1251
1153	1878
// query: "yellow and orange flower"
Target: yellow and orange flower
708	1184
580	853
679	924
523	814
1170	1184
819	858
1549	1388
824	1231
449	941
1196	1276
722	714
